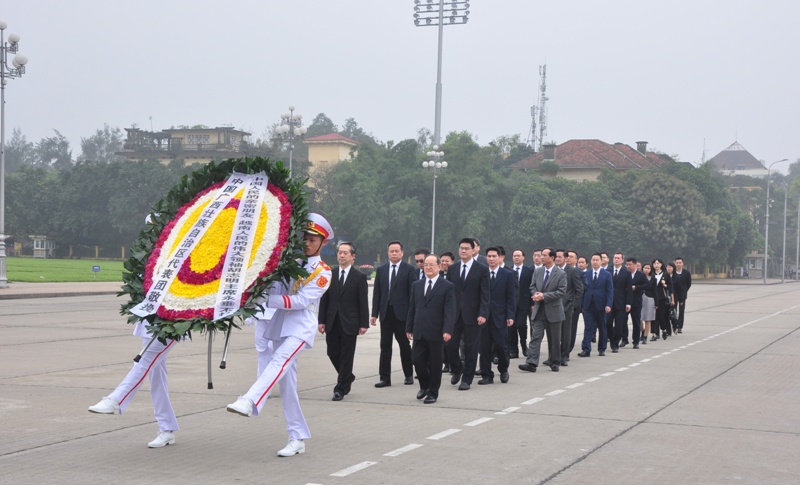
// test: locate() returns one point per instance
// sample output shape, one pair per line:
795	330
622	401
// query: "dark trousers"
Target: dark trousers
471	334
518	333
662	318
391	327
636	324
576	314
427	358
594	319
566	334
493	339
681	309
618	327
341	351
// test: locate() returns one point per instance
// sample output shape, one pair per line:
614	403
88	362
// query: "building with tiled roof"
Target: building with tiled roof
586	159
736	160
325	151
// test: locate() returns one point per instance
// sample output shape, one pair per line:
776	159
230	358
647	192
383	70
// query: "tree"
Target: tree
321	125
54	152
19	152
102	146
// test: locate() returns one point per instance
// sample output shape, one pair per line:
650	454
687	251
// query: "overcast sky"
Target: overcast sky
678	74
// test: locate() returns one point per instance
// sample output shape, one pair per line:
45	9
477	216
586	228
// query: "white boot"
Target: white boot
164	438
242	406
293	448
105	406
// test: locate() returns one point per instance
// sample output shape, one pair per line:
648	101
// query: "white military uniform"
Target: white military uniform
282	335
153	363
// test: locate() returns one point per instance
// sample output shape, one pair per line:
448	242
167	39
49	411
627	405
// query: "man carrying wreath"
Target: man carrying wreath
290	329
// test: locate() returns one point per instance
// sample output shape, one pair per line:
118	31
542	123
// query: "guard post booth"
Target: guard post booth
43	247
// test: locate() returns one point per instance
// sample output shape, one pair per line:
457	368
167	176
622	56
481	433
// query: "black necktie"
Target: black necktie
463	272
341	280
492	278
517	270
430	286
394	275
546	275
616	271
594	280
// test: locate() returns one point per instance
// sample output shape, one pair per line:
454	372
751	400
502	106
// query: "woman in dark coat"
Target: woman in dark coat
664	297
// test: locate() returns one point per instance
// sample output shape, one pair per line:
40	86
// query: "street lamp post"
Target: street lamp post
16	69
766	226
436	165
797	245
291	129
428	13
783	259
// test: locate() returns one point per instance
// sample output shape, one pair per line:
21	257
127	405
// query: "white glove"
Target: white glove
250	321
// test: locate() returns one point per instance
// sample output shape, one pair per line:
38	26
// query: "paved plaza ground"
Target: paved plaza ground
717	404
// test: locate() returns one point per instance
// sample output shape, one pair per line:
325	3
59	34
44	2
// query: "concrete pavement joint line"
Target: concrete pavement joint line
400	451
443	434
534	400
478	421
353	469
625	431
555	393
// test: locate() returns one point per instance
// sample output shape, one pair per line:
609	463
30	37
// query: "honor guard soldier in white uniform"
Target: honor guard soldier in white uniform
290	330
153	363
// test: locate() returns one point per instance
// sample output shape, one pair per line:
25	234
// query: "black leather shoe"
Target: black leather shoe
463	387
680	330
594	340
504	377
525	350
614	351
446	368
337	396
513	355
383	384
635	346
429	400
654	338
486	380
547	362
601	353
456	377
422	393
554	368
583	354
409	380
527	367
623	344
564	363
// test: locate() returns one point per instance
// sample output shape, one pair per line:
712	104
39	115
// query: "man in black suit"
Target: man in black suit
390	296
548	288
580	264
471	281
419	259
476	252
684	278
519	332
572	300
618	321
431	318
502	306
343	316
598	295
639	283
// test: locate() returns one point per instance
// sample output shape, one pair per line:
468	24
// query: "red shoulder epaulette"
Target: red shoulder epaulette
324	266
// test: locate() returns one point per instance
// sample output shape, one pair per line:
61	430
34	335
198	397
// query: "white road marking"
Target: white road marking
443	434
402	450
608	374
635	364
534	400
576	385
592	379
354	468
507	410
478	421
554	393
621	369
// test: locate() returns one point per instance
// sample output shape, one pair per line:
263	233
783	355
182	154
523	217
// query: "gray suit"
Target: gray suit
547	315
572	302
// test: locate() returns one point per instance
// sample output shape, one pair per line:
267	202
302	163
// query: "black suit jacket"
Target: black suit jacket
682	282
638	280
574	294
472	298
349	302
524	301
502	297
622	288
431	315
401	290
600	294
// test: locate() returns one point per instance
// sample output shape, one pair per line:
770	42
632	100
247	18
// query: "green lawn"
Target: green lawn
61	270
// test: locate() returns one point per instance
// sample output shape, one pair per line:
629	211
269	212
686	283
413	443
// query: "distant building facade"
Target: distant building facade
586	159
192	145
325	151
736	160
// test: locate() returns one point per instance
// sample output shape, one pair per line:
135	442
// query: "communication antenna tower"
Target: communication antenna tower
539	113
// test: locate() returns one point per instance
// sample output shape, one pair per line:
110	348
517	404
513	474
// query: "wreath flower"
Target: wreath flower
188	304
